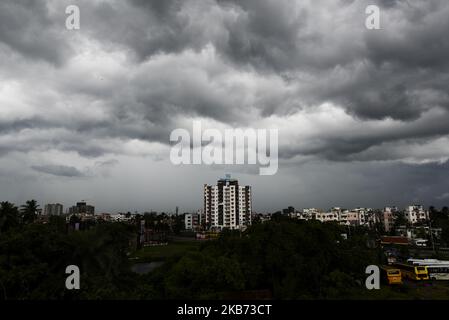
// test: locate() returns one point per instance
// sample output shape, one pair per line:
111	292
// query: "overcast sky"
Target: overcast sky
363	115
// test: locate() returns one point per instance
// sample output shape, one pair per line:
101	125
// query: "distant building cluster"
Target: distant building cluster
81	209
228	205
412	214
353	217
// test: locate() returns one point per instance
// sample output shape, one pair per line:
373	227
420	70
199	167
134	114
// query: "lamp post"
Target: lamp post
431	235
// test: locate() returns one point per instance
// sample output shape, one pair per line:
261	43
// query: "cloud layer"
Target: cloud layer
136	70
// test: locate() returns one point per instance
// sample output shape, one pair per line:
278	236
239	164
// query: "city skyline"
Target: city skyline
87	114
65	209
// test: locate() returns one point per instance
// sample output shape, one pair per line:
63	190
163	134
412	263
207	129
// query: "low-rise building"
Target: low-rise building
326	216
192	221
118	217
394	240
388	217
416	213
307	213
349	218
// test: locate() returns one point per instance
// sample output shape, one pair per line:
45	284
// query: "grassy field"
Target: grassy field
161	253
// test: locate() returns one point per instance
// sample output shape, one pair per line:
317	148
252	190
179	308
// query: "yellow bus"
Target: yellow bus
418	273
391	275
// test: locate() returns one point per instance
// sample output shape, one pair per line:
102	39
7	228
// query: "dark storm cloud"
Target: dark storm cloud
398	72
59	170
27	27
390	91
407	57
355	141
266	34
138	69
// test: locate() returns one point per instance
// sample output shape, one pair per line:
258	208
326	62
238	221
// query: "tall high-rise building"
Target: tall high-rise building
227	205
53	209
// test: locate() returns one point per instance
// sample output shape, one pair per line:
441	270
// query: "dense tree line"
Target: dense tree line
33	257
440	219
289	258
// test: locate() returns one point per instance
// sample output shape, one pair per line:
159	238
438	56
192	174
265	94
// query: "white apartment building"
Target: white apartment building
416	213
365	216
119	217
310	211
326	216
227	204
307	213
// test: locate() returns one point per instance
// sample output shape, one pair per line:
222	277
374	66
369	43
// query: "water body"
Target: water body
146	267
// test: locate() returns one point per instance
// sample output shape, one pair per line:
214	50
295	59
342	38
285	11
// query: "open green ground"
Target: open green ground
432	290
161	253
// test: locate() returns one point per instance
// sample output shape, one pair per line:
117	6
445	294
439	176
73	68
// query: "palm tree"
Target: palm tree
9	216
29	211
